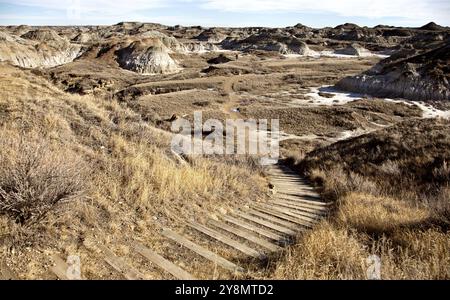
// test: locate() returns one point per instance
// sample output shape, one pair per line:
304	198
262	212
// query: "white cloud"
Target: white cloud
104	7
417	10
406	12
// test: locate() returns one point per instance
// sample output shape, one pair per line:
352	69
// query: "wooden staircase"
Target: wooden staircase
256	232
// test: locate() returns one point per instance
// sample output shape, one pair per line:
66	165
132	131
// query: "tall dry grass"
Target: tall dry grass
405	227
133	185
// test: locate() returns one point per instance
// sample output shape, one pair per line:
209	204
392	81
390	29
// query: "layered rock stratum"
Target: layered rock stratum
416	74
149	48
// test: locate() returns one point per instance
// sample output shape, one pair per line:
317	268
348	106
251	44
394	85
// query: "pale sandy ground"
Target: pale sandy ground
341	97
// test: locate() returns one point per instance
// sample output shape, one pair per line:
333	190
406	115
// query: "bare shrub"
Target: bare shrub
324	253
377	214
337	183
390	167
440	206
34	178
442	173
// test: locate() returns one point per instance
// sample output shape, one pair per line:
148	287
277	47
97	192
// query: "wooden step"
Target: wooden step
297	191
216	259
304	196
304	202
284	174
5	272
119	264
292	185
282	216
278	172
265	223
298	202
161	262
313	216
246	235
287	179
226	240
289	213
251	227
312	211
287	224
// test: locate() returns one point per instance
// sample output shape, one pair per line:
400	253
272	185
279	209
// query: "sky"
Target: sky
208	13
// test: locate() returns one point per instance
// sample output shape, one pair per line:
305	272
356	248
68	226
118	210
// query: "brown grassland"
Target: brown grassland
79	170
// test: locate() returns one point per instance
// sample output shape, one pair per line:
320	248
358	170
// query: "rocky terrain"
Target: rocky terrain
412	73
416	67
37	48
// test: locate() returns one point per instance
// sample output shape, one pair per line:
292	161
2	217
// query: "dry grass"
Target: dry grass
325	253
136	186
368	225
387	204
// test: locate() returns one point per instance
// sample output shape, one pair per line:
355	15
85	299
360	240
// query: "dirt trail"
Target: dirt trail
230	107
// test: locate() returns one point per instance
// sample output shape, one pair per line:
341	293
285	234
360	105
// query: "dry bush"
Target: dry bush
440	207
409	157
34	178
324	253
414	254
377	215
394	230
335	182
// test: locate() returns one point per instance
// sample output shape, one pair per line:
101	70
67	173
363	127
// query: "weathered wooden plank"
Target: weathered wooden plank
289	213
282	216
5	272
251	227
226	240
216	259
304	202
289	178
267	224
161	262
119	264
303	195
292	185
287	174
309	215
246	235
271	218
304	210
298	192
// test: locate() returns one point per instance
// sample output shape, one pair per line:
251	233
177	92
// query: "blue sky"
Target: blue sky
274	13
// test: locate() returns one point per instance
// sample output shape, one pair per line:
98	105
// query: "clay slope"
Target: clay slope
412	74
278	42
148	56
37	48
